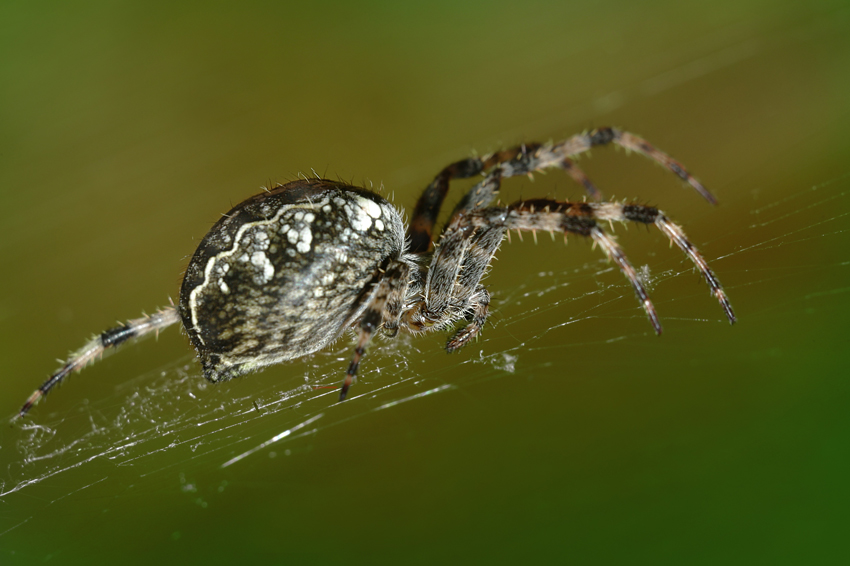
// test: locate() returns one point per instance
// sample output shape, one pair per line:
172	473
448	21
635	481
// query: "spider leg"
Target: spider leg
480	309
485	192
428	206
100	344
526	159
615	254
580	218
481	195
451	280
385	308
651	215
551	155
472	239
577	218
579	177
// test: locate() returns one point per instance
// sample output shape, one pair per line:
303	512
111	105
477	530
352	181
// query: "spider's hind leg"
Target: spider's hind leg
99	345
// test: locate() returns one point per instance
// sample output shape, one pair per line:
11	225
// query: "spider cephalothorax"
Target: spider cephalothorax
289	270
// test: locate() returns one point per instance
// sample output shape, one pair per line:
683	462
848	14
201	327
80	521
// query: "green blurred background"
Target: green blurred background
568	432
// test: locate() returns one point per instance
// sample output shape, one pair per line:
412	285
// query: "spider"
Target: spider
288	271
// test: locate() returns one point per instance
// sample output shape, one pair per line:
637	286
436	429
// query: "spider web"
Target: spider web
166	426
167	423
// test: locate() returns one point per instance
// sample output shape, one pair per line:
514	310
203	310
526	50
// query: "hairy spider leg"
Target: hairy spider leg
526	159
100	344
398	282
551	155
459	263
485	229
579	177
615	253
477	316
483	194
385	309
468	298
452	290
580	218
428	206
650	215
463	259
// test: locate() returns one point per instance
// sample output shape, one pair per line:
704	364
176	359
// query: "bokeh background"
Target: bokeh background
569	432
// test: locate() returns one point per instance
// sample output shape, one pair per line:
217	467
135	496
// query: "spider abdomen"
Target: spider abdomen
284	273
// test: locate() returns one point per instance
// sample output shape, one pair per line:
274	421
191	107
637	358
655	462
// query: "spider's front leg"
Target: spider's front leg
452	288
524	160
580	218
471	240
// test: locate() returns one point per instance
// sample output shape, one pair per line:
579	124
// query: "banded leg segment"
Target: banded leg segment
458	264
552	154
485	192
615	254
479	309
480	196
581	218
577	218
385	309
579	177
431	201
471	241
526	159
651	215
100	344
